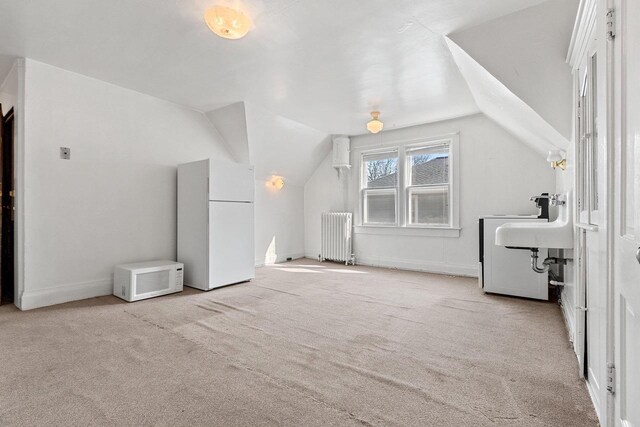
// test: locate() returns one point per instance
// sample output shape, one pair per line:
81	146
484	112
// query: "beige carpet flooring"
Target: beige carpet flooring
303	344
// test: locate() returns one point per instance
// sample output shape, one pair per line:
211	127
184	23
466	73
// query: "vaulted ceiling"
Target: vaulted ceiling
325	64
274	144
309	68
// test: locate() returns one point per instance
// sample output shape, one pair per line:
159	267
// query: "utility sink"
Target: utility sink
552	235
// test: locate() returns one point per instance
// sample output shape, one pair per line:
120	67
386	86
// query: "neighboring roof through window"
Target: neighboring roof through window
433	171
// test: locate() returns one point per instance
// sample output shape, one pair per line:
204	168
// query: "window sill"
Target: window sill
382	230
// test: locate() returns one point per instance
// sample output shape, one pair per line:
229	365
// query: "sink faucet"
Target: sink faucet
535	198
554	199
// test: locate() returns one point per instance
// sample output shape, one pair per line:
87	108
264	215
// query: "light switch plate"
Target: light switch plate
65	153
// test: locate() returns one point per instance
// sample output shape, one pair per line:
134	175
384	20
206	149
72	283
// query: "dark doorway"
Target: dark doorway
7	197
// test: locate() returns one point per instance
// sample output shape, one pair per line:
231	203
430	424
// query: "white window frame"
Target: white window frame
383	190
402	225
587	142
408	149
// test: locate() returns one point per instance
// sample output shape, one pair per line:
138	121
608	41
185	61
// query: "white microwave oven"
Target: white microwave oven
133	282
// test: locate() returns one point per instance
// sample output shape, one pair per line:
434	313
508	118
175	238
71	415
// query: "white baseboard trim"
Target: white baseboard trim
312	256
595	400
568	313
65	293
424	266
279	259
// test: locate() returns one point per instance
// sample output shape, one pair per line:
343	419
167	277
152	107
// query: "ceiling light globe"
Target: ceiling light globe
375	125
227	23
554	156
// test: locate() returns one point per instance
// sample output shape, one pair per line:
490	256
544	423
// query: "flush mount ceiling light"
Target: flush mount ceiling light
227	22
375	125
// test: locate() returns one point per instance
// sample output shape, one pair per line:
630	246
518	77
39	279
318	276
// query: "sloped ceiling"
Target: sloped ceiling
231	123
326	63
499	103
281	146
312	68
527	54
274	144
6	62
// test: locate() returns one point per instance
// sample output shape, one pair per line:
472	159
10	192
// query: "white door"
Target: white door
591	240
231	243
627	211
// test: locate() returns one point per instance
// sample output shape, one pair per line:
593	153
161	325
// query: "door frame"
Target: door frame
7	224
590	219
19	68
617	50
610	179
582	36
606	48
591	23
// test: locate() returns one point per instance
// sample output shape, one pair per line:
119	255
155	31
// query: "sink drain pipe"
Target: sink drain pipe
546	264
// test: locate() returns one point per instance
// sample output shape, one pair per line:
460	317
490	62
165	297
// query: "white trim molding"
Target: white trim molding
65	293
19	186
402	227
421	265
568	312
408	231
582	31
279	259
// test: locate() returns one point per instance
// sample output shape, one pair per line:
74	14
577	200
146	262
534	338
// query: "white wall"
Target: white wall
278	146
281	147
323	192
115	200
280	223
498	174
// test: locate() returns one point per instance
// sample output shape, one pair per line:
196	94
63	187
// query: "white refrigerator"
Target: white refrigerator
216	223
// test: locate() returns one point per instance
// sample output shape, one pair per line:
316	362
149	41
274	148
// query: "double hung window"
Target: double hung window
409	185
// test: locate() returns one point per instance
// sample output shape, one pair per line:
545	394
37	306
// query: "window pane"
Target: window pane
380	207
429	205
429	165
583	159
381	170
594	135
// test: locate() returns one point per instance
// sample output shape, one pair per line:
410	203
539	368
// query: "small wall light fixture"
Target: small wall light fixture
226	22
276	182
557	159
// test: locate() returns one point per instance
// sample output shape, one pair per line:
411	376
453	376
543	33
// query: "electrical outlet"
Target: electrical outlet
65	153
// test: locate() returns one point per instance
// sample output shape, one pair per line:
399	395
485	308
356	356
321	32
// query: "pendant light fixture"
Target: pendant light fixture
227	22
375	125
